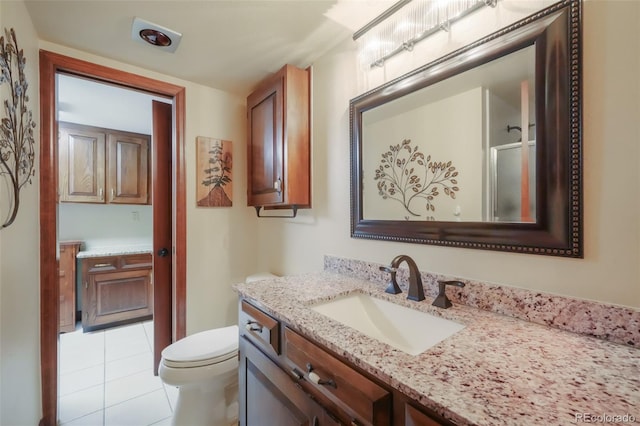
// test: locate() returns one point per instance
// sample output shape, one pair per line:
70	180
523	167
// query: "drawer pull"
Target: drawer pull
253	326
296	374
317	379
102	265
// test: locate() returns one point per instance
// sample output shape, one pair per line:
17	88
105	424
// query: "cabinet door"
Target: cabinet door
363	401
414	417
67	283
265	151
269	397
127	170
113	296
81	164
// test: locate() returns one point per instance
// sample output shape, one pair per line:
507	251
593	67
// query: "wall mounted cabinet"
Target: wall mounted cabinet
99	165
278	115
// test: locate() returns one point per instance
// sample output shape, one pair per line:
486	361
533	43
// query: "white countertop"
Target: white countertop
115	250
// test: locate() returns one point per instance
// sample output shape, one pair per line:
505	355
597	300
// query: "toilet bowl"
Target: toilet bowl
204	368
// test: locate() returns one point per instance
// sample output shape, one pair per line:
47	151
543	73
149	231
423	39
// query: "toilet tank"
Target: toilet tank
259	276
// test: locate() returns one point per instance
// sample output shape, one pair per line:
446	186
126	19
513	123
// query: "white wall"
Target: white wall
19	259
610	271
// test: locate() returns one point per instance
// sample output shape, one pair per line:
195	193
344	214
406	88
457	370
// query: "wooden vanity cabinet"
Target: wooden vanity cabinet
67	283
356	398
277	386
99	165
415	417
116	290
269	397
279	163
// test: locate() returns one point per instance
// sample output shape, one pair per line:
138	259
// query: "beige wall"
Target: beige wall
610	271
220	243
19	278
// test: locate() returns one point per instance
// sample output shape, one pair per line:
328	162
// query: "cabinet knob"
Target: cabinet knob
277	185
163	252
315	378
101	193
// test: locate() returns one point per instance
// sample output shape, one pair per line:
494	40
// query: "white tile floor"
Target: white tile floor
106	379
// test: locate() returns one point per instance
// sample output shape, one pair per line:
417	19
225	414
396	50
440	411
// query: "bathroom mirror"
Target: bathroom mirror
480	148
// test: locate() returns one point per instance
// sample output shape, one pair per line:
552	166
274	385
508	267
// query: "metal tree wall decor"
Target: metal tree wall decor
16	128
406	175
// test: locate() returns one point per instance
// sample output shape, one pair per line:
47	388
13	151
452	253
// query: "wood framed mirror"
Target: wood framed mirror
480	148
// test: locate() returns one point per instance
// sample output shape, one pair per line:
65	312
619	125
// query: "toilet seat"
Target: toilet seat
203	348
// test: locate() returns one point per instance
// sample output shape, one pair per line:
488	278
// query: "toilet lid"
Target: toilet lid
204	348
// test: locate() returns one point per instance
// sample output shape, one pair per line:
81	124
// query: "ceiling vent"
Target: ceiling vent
155	35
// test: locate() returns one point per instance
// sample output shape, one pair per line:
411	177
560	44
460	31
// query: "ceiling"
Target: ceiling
226	44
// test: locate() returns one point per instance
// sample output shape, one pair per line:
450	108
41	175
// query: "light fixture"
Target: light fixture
155	35
407	22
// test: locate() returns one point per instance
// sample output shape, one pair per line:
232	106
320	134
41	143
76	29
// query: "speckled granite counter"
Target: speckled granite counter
115	250
498	370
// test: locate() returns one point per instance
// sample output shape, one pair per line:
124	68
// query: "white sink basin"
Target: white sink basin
403	328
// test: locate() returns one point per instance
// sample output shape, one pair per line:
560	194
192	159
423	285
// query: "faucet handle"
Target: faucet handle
442	301
393	287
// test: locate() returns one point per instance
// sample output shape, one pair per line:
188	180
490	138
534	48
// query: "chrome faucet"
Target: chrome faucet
416	290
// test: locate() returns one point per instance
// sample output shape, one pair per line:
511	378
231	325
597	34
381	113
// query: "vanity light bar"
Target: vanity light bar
406	23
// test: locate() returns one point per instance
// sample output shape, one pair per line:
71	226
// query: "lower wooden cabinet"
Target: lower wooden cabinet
415	417
357	399
67	284
116	290
288	379
269	397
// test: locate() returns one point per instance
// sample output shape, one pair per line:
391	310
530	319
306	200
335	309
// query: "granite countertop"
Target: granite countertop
498	370
115	251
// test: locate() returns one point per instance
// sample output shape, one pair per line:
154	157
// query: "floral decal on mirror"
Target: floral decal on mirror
405	175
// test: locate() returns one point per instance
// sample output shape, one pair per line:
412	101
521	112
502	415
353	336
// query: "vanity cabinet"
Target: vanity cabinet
67	284
278	115
116	290
415	417
99	165
296	381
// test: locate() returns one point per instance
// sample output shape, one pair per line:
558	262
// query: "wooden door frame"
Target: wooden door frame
50	64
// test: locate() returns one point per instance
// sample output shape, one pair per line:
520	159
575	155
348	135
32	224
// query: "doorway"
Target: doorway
170	313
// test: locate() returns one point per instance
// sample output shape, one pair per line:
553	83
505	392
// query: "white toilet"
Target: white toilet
204	366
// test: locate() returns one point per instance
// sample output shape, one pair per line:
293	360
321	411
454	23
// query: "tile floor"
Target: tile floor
106	379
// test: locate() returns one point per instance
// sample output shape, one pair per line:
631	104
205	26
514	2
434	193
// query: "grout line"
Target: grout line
166	394
104	378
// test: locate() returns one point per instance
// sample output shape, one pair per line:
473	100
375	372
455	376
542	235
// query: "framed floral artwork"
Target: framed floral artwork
214	179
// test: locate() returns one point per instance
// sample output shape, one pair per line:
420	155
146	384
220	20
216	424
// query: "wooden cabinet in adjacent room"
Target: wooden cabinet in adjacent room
279	164
116	290
67	282
99	165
